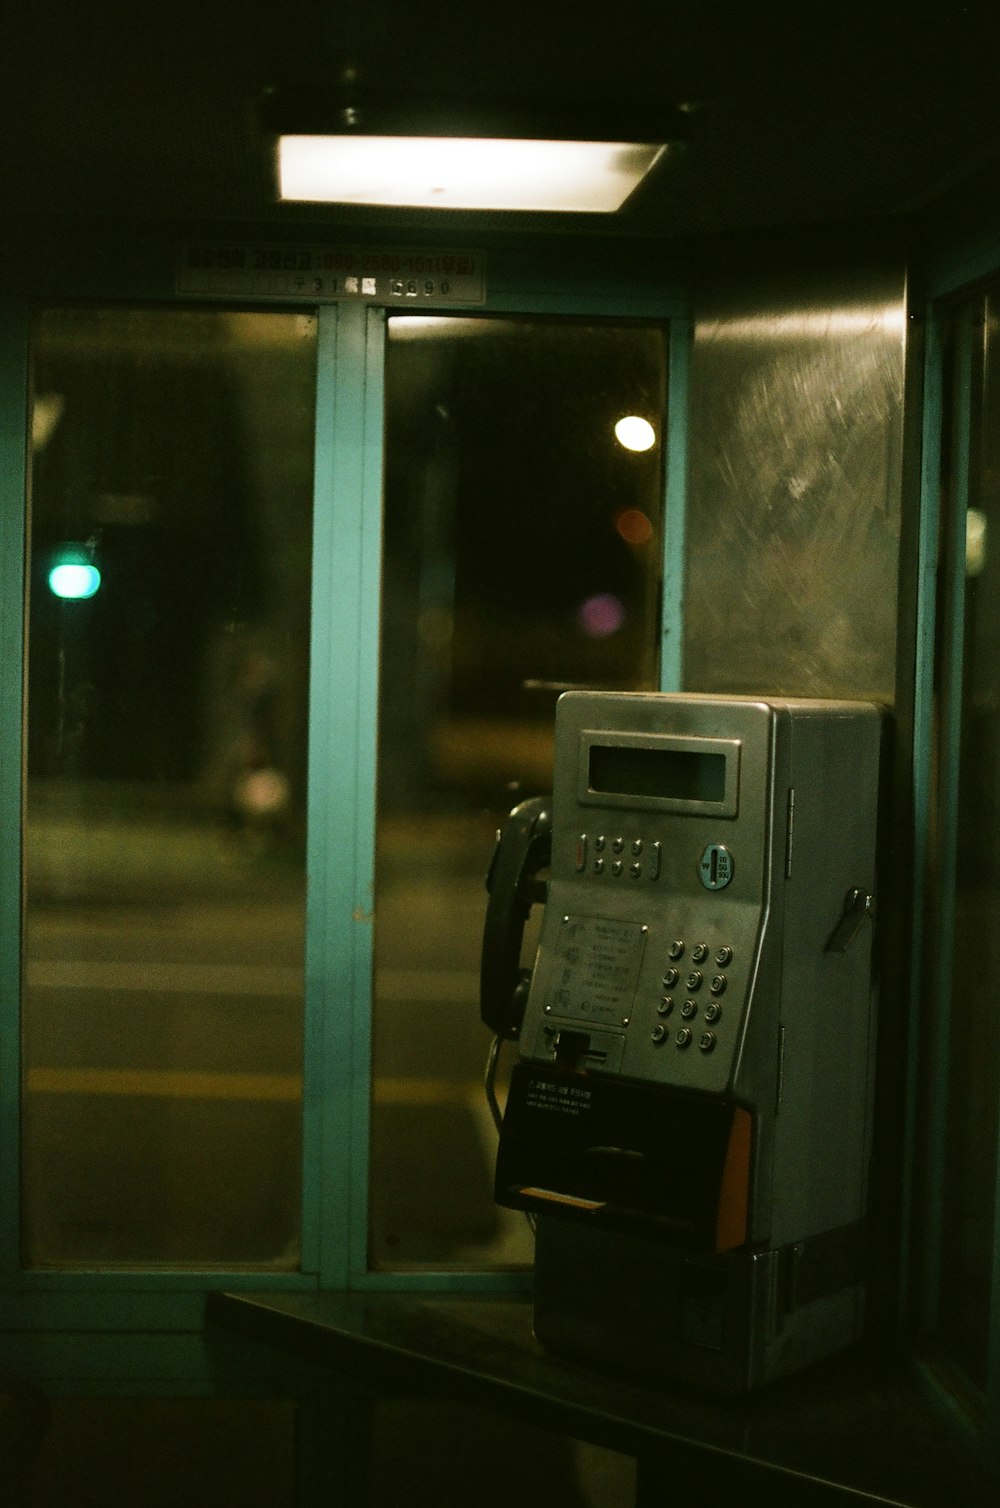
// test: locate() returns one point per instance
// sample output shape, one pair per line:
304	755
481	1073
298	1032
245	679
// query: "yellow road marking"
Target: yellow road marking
440	986
165	978
163	1083
425	1092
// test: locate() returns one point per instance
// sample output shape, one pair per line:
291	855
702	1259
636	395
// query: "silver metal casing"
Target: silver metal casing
704	965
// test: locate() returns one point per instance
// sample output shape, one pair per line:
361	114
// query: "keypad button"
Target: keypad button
635	870
637	846
616	867
600	842
712	1011
618	844
665	1006
676	949
723	957
689	1009
699	952
598	866
670	978
718	985
706	1041
659	1034
694	979
683	1038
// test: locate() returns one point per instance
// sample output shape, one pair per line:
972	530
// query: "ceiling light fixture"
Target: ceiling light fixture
421	154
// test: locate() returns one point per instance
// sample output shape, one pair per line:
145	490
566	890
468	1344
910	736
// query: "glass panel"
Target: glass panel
165	819
970	1162
522	554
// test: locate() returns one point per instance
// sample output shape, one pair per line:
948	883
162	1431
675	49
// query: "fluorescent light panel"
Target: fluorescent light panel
447	172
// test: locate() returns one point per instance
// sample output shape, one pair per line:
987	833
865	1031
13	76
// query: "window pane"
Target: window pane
523	544
164	887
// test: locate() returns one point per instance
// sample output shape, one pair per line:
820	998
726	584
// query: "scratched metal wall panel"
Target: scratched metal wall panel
793	516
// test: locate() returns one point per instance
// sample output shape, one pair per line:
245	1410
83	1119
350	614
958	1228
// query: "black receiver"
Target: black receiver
523	851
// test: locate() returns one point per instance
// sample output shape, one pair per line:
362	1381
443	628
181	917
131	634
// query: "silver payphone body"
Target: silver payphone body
689	1116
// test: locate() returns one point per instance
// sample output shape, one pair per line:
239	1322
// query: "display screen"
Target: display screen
669	774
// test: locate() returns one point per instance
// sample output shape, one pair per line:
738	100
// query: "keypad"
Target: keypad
695	1011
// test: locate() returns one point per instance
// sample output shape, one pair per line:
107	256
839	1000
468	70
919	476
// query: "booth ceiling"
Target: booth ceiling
804	114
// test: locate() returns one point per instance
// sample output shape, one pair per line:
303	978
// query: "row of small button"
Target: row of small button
684	1038
689	1009
694	981
646	859
617	867
700	951
617	844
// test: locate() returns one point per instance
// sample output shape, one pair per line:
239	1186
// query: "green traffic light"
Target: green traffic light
74	576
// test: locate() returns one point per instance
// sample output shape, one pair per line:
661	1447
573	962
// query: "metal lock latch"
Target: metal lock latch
858	905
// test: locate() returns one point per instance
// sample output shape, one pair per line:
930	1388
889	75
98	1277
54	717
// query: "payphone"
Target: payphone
689	1116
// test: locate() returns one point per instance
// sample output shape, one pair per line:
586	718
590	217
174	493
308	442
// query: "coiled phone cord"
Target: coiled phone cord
489	1084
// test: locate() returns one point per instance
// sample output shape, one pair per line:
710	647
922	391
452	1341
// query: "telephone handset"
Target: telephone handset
523	851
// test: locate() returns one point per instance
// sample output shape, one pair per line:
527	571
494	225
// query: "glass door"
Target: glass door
486	533
169	563
523	550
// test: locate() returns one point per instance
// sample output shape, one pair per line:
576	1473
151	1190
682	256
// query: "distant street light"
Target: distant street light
74	577
635	433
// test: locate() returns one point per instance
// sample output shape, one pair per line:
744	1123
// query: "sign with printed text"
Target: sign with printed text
394	276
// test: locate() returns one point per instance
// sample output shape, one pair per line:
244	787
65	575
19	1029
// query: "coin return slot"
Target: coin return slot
572	1049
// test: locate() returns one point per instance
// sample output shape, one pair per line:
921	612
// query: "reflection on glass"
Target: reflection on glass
522	555
164	832
974	1048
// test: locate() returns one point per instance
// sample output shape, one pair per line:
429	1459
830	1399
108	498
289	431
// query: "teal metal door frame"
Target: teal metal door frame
343	736
13	489
952	290
343	739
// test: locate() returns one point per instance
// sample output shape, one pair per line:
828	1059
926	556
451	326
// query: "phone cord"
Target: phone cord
489	1082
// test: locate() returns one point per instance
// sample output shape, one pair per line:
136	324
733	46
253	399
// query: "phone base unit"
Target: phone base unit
690	1114
720	1324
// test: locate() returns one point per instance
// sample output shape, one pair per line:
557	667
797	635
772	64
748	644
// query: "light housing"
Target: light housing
418	153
